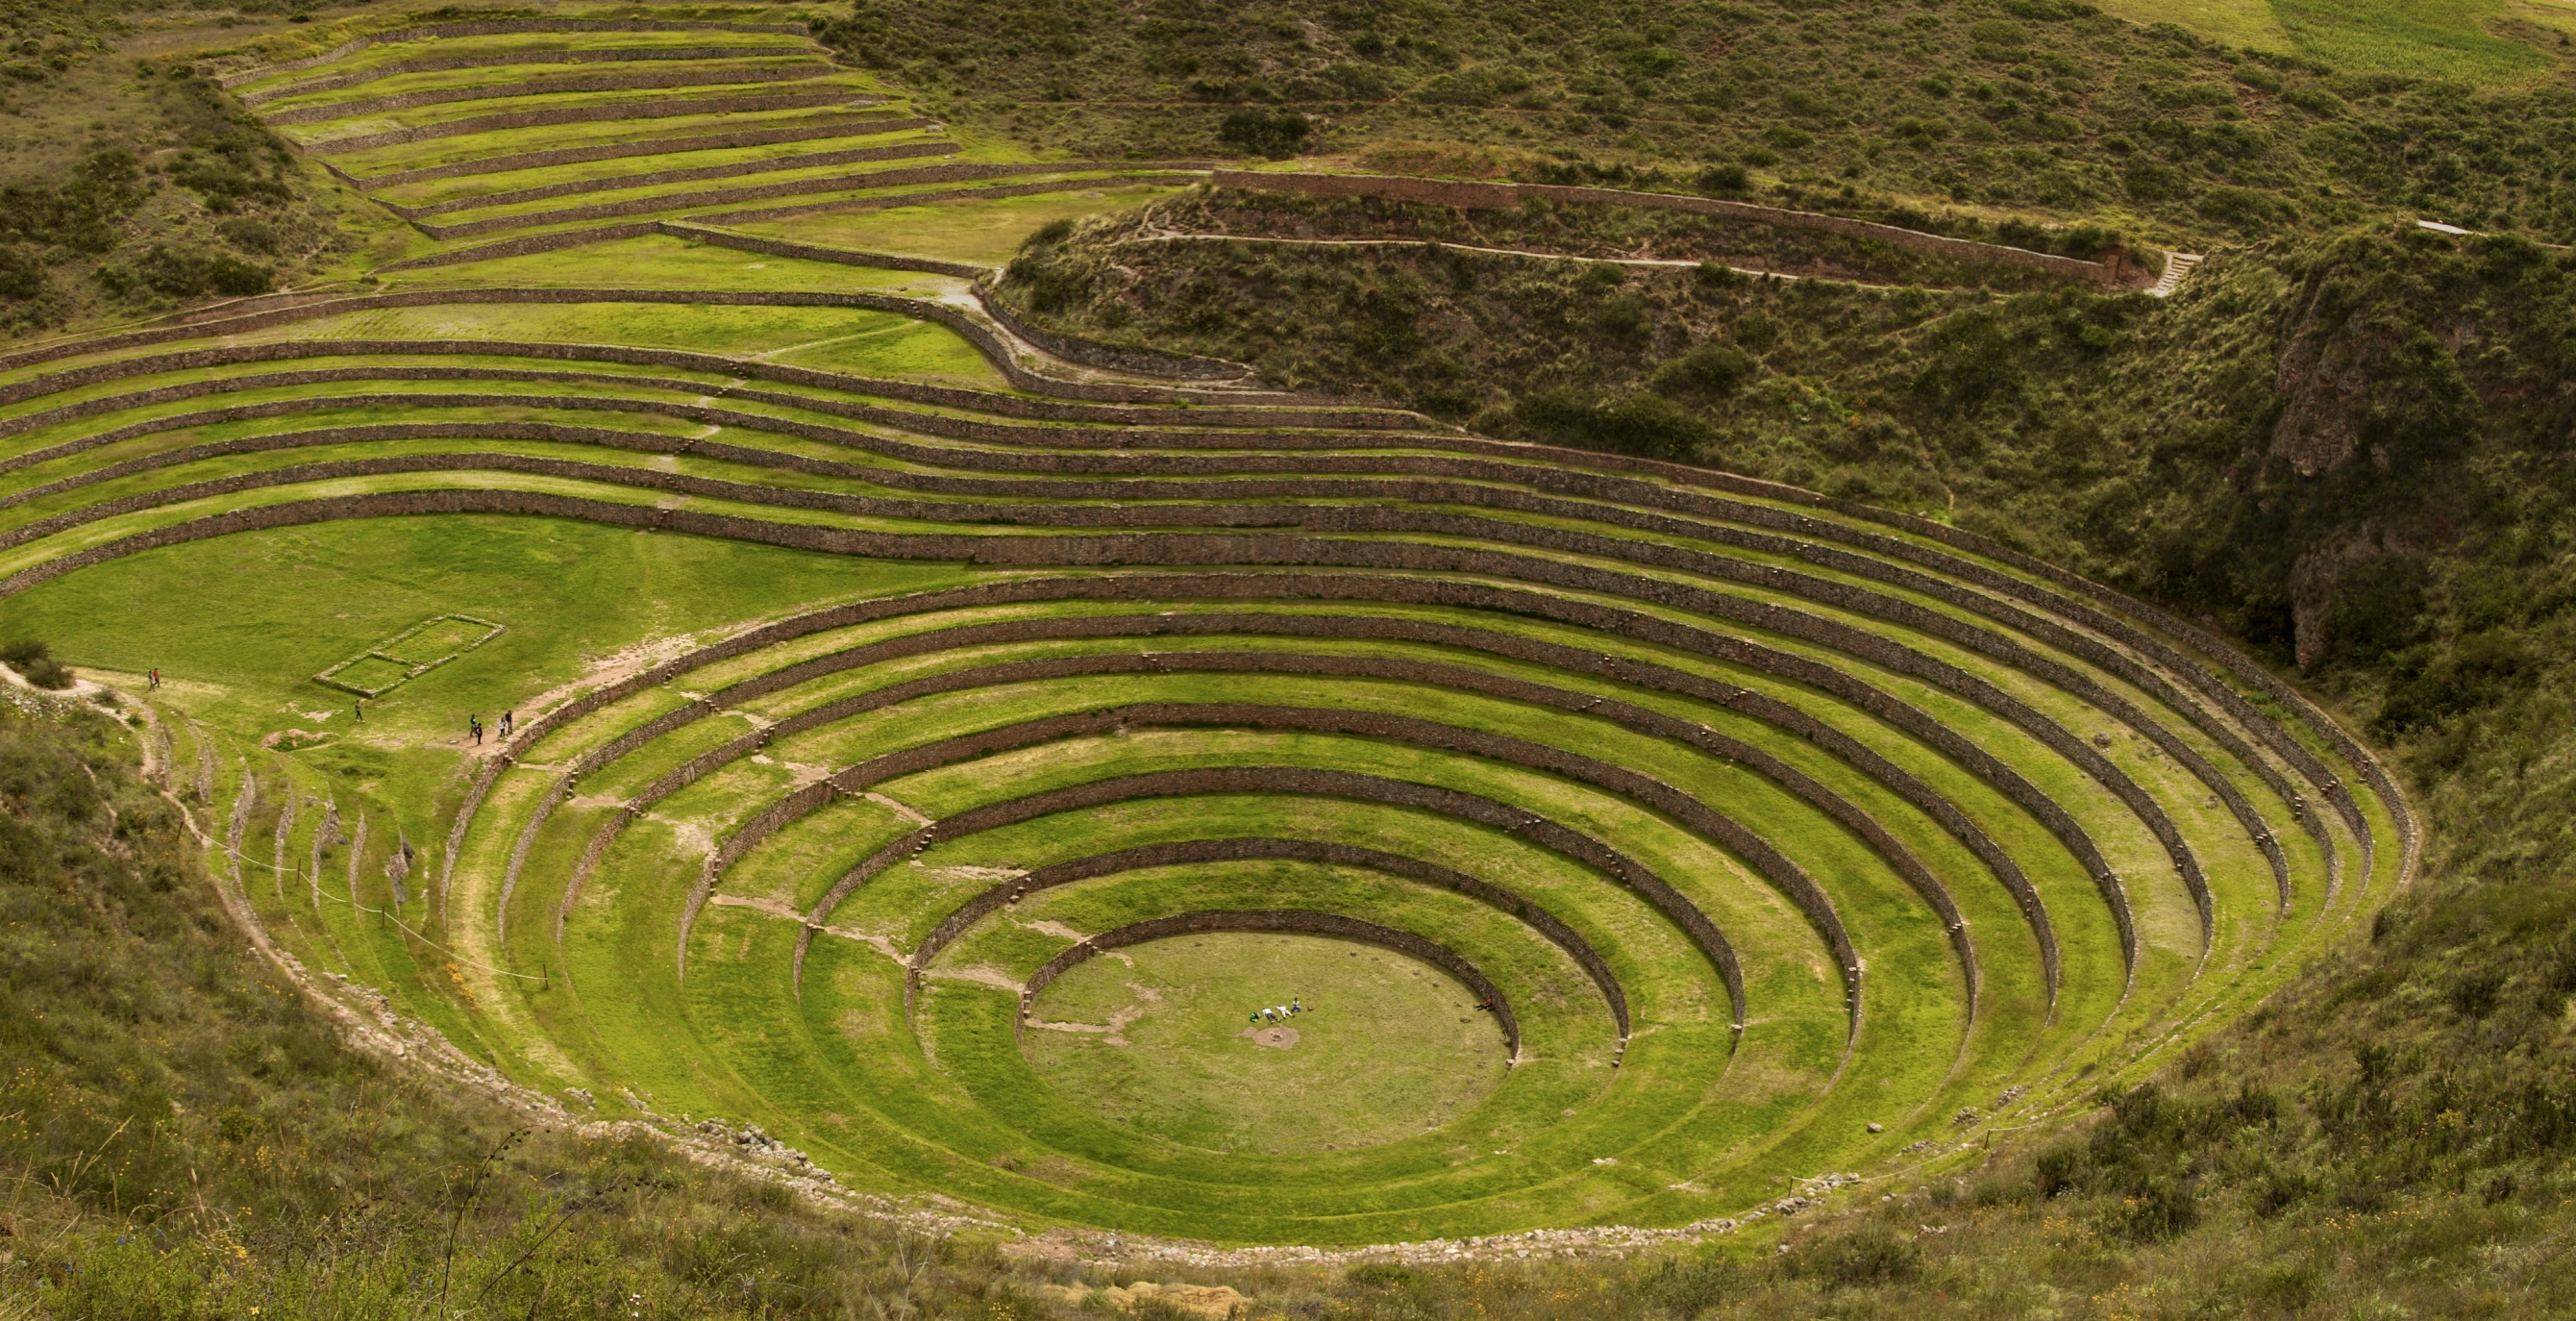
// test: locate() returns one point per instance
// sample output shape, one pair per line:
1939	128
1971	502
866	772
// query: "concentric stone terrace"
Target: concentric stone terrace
1779	836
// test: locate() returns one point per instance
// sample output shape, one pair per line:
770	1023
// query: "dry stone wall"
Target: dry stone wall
749	192
495	28
1144	362
501	60
599	82
1151	548
1153	174
725	238
1478	196
731	169
1200	852
804	130
1285	920
1170	550
590	114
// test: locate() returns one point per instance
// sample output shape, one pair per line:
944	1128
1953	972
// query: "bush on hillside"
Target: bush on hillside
185	275
1711	371
1261	133
1643	424
84	211
34	661
22	275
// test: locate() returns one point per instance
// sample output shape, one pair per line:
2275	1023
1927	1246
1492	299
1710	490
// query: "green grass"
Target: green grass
936	1089
972	231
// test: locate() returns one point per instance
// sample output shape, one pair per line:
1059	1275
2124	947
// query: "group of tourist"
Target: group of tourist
474	726
1279	1013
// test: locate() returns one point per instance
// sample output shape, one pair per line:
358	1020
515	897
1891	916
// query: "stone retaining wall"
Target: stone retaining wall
731	169
911	391
1679	806
1149	549
858	125
1360	627
1545	833
1162	174
1144	362
1200	852
1308	923
1284	549
1443	676
494	28
506	59
590	114
726	238
750	192
803	71
195	389
1330	588
1569	542
1783	874
1468	195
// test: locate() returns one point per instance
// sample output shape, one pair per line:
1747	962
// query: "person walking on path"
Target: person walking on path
474	726
156	681
509	721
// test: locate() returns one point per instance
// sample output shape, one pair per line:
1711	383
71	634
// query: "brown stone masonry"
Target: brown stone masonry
592	114
777	71
1346	587
506	59
1203	851
1145	362
494	28
731	169
1504	196
831	183
1216	549
1319	924
804	130
1354	785
200	388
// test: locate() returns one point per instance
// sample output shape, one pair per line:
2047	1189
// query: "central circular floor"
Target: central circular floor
1159	1037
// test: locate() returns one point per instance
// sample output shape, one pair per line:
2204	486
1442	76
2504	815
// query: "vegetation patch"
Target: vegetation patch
409	654
1174	1039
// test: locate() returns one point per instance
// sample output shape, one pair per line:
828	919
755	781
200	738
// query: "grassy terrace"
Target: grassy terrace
858	688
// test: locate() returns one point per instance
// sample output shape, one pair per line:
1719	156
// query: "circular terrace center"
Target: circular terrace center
1169	1038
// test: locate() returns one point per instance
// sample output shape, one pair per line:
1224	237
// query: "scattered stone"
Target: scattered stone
1878	1128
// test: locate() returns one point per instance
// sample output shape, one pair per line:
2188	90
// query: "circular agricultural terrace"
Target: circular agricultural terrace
1636	839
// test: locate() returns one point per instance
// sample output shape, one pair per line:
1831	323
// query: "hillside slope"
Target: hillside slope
1992	107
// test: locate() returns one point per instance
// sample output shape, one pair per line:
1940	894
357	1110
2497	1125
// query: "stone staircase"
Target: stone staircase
2177	266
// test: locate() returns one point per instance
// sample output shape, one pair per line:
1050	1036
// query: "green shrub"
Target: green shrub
83	213
1869	1256
251	234
1724	181
34	661
185	275
1261	133
1053	286
1643	424
1713	371
2245	208
22	276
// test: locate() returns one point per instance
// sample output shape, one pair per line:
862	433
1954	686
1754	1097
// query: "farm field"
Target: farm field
933	739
